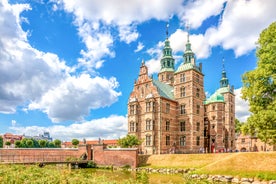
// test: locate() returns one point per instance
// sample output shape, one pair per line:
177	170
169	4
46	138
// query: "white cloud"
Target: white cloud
195	12
38	80
242	107
140	46
241	25
13	123
122	12
26	73
95	19
75	96
111	127
128	34
199	44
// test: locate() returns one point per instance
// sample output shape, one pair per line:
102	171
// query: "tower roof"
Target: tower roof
167	60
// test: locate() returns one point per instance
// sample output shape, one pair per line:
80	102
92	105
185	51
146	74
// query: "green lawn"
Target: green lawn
249	164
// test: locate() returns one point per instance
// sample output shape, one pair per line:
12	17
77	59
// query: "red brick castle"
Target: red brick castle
172	115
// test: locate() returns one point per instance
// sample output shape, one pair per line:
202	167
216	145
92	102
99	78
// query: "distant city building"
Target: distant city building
45	136
108	143
172	115
246	143
8	137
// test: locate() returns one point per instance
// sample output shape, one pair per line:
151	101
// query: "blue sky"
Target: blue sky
68	66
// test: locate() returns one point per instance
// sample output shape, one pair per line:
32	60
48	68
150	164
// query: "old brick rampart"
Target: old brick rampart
35	155
98	153
115	156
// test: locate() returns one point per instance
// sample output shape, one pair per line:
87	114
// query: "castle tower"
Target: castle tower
189	92
166	74
220	115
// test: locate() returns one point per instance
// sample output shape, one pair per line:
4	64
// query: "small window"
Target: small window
197	92
167	125
183	109
167	140
197	78
197	109
182	92
148	140
243	140
182	141
132	127
167	108
182	78
182	126
197	140
148	124
198	126
148	105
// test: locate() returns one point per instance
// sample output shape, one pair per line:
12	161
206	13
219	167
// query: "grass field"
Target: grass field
249	164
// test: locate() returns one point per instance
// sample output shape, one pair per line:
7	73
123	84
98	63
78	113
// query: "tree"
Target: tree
42	143
8	143
1	142
259	88
129	141
17	144
57	143
238	126
30	143
75	142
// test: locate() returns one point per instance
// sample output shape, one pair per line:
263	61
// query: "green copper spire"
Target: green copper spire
224	80
189	56
167	61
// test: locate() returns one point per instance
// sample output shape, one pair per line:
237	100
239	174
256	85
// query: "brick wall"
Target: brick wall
34	155
115	156
98	153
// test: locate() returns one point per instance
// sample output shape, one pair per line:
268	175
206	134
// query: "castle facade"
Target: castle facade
171	114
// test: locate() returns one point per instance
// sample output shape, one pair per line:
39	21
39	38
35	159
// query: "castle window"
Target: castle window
197	109
182	78
167	140
167	125
197	92
148	124
231	108
132	110
182	126
197	140
148	140
243	140
213	117
213	126
197	78
153	106
182	92
182	109
198	126
148	106
182	141
167	108
132	127
214	107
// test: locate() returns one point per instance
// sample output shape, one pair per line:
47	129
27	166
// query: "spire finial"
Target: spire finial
188	31
223	64
167	29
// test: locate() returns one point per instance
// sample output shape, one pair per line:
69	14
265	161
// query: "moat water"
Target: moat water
125	176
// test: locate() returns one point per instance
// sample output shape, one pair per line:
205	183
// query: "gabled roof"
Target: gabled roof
164	90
